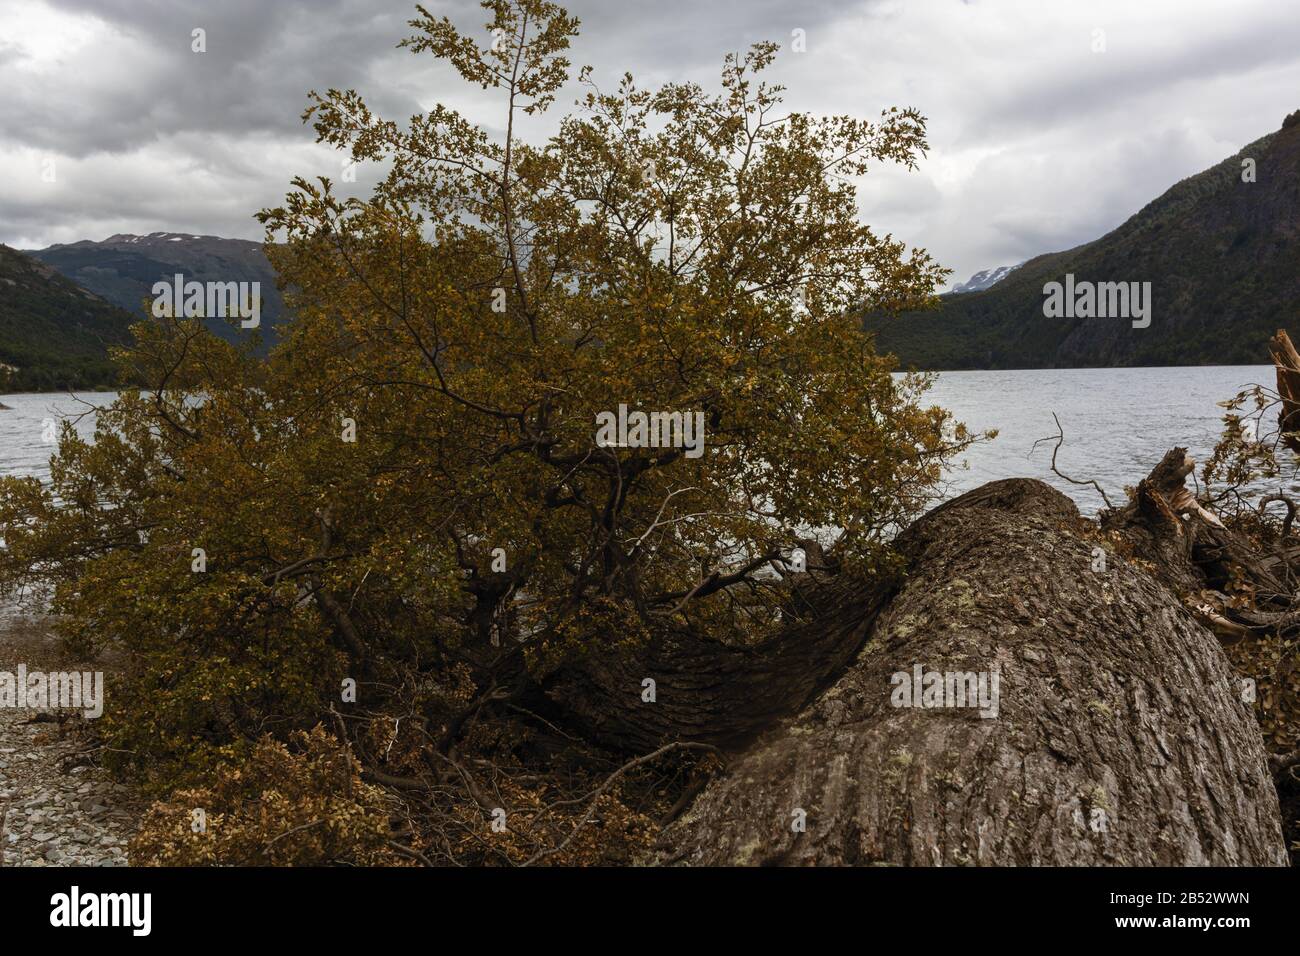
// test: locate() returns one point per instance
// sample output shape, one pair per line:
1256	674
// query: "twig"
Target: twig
1290	511
266	847
1280	763
528	713
689	794
392	780
1060	440
594	796
1286	529
410	852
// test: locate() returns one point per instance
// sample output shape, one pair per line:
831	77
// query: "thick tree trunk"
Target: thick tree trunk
1120	734
709	692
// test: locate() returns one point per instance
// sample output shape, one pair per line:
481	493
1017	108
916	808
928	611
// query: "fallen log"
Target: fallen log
1114	732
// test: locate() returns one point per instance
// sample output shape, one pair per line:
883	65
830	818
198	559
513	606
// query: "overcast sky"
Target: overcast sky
1038	141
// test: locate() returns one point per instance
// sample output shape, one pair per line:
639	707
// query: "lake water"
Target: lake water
30	421
1117	422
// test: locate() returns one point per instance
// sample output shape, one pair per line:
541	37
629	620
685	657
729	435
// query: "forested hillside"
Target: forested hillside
1222	255
53	333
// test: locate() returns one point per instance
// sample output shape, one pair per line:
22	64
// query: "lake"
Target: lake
1117	422
26	427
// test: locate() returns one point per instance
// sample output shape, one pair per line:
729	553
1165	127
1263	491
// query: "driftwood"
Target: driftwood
1287	362
1120	735
1235	589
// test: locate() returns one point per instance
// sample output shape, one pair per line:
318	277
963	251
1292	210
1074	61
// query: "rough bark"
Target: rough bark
1287	363
1187	548
1120	736
710	692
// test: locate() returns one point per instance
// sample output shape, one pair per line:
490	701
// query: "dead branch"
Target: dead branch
1287	363
1060	440
1290	511
1281	763
595	795
410	853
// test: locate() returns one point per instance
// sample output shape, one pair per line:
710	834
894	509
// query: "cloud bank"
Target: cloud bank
1049	123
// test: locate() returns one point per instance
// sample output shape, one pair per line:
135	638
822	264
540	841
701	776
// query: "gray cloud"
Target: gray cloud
1038	142
260	61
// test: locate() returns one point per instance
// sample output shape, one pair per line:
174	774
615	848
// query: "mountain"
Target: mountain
124	268
983	280
1222	256
54	335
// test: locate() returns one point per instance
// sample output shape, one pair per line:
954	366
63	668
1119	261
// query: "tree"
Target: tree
425	488
671	252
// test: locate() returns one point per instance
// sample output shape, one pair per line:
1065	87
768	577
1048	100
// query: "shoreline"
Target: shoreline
902	369
57	807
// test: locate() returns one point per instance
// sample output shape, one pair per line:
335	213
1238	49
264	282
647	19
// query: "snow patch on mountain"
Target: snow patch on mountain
983	280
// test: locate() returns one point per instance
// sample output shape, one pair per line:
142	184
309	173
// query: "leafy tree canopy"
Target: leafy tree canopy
410	491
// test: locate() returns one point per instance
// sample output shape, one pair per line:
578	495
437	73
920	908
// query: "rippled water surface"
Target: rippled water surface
1117	422
27	426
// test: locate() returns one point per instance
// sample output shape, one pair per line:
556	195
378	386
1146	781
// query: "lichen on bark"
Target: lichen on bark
1121	736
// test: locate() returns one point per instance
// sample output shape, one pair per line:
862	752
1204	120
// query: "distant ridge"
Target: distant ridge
1222	257
123	269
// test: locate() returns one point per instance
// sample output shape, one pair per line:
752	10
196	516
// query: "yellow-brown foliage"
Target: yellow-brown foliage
280	807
